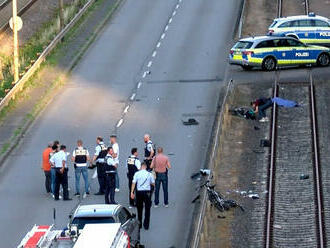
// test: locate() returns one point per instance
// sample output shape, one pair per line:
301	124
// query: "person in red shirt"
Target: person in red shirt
160	163
46	166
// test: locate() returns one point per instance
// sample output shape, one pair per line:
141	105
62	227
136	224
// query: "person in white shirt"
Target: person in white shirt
143	180
80	157
58	160
115	147
111	164
133	165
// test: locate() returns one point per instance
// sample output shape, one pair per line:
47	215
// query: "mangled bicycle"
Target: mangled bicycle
217	200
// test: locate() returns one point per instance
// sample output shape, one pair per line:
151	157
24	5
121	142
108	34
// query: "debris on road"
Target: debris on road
304	176
190	122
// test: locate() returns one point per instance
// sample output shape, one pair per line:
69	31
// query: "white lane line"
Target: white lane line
163	36
158	44
177	6
139	85
180	1
166	27
170	20
120	122
144	74
126	109
133	96
174	13
154	54
150	63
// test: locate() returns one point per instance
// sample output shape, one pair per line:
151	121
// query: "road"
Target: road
187	65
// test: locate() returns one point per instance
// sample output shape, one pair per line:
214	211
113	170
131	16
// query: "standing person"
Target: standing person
115	147
133	165
55	149
143	180
111	164
161	164
46	167
148	151
58	160
99	155
80	157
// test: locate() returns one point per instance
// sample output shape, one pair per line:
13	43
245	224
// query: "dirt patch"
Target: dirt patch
259	14
241	166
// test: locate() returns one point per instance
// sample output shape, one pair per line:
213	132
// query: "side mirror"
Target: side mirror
133	216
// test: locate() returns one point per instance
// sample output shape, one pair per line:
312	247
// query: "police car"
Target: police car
269	52
311	29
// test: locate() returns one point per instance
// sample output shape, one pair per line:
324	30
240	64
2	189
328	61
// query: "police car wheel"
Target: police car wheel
323	59
269	64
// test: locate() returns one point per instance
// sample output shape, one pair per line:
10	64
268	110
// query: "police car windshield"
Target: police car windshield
82	221
273	24
243	45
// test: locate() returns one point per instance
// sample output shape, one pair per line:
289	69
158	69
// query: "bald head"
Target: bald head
146	138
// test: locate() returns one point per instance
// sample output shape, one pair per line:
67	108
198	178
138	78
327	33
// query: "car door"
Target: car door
284	53
322	32
305	30
130	225
302	54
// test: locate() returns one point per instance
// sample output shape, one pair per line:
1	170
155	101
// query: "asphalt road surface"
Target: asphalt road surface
187	62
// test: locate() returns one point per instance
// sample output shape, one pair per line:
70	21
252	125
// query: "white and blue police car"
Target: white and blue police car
270	52
310	29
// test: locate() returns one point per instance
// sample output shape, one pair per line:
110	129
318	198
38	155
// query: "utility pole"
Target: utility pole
16	64
60	3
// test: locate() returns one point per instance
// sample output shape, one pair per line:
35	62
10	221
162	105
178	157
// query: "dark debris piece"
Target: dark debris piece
304	176
190	122
264	143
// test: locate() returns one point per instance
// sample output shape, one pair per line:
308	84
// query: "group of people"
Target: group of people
144	178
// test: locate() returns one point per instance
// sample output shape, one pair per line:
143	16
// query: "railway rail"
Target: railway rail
294	213
280	6
6	11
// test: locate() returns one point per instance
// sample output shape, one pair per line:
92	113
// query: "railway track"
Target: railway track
6	11
281	4
294	213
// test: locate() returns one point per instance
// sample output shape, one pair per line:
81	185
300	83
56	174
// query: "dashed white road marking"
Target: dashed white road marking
154	54
120	122
133	96
158	44
150	64
177	6
166	27
126	109
163	36
170	20
174	13
139	85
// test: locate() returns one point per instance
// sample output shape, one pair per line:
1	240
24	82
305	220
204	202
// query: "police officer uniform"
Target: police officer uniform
133	165
101	152
80	155
147	151
143	180
110	179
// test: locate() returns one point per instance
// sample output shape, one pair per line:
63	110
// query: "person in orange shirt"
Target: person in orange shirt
46	166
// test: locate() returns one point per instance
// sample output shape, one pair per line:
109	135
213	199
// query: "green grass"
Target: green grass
31	50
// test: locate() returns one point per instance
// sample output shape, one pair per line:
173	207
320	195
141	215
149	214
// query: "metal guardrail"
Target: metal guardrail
197	232
20	84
